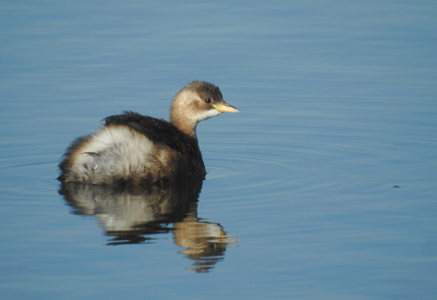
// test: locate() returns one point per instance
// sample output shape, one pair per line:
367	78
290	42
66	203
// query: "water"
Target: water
325	182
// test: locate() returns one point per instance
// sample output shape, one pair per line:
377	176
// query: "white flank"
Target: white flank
112	151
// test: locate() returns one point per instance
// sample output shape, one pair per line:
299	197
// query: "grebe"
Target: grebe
134	149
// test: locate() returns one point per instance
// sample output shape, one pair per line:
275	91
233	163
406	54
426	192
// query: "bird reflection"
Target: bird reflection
131	215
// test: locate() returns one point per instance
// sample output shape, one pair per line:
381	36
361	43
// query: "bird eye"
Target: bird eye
207	100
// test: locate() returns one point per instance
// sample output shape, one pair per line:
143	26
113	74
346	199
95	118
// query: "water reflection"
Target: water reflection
131	215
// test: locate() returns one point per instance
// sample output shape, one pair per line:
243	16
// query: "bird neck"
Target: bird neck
183	124
181	114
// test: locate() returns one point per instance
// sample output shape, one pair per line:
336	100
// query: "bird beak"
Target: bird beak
224	107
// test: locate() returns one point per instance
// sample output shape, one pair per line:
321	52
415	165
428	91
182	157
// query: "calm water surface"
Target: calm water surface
323	187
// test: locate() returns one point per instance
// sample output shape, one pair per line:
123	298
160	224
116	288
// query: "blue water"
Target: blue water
325	182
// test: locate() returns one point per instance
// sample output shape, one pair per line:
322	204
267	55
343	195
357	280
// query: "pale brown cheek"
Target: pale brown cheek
194	109
199	105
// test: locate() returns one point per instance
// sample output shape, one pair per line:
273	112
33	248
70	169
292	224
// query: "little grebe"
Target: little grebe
135	149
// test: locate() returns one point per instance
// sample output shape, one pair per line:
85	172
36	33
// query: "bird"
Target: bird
134	149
